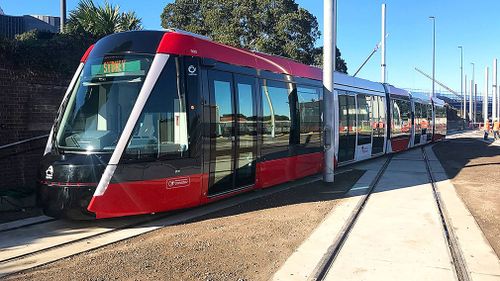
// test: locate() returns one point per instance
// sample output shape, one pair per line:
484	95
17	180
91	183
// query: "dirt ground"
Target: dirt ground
474	168
247	242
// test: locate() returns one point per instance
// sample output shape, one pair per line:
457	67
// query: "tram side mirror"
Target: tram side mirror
208	62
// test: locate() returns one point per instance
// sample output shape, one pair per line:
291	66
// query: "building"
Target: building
10	26
54	21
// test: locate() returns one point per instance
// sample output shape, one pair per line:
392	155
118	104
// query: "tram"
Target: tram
155	121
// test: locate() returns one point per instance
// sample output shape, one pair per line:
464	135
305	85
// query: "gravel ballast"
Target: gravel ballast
246	242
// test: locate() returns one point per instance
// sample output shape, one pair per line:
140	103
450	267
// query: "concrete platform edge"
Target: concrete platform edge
481	260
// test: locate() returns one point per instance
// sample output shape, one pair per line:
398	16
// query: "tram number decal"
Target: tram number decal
178	182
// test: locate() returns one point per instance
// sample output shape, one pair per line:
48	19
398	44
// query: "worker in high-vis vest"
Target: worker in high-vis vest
496	129
486	128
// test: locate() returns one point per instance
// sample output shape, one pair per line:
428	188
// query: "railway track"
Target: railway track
459	265
42	240
457	258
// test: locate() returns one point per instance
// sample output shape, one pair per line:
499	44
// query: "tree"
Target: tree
100	21
278	27
340	65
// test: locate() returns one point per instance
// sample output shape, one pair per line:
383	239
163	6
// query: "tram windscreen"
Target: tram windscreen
101	102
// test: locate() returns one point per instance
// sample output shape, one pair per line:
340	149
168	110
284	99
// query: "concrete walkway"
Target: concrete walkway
399	234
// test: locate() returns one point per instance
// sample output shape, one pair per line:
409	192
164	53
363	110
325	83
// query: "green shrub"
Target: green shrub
38	51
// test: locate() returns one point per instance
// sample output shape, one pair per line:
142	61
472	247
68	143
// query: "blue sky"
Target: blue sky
409	43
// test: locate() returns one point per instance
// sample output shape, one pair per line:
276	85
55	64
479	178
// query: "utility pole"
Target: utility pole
433	54
329	94
63	15
462	79
383	64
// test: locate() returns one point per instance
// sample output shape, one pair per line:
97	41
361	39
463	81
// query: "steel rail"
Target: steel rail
321	270
152	224
457	257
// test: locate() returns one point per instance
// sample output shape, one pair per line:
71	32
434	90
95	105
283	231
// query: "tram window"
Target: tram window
396	119
418	117
363	126
246	116
406	115
401	117
309	100
99	105
276	119
161	130
423	108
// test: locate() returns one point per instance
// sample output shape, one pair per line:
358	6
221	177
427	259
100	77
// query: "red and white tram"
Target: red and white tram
154	121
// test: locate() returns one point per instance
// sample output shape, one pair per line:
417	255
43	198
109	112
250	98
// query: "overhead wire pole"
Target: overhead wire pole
439	83
494	104
465	98
329	94
63	15
462	80
485	94
473	93
475	102
471	102
383	52
368	58
433	54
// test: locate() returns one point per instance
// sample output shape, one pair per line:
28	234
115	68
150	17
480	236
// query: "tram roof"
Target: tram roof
438	102
180	42
421	98
394	91
183	43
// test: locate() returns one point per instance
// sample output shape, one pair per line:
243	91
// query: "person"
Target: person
496	129
486	128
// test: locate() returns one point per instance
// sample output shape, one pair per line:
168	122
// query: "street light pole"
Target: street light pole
462	79
329	94
433	54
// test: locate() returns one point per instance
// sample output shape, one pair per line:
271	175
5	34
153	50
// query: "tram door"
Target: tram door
378	124
232	132
347	123
417	124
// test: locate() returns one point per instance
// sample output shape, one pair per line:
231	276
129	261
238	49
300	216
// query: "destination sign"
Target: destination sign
116	67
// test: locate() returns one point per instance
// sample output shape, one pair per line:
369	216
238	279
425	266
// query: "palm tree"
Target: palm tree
100	21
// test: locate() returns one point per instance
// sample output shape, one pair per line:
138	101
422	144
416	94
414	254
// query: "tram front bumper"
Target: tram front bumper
68	202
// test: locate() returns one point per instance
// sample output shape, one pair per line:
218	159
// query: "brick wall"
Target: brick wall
28	104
